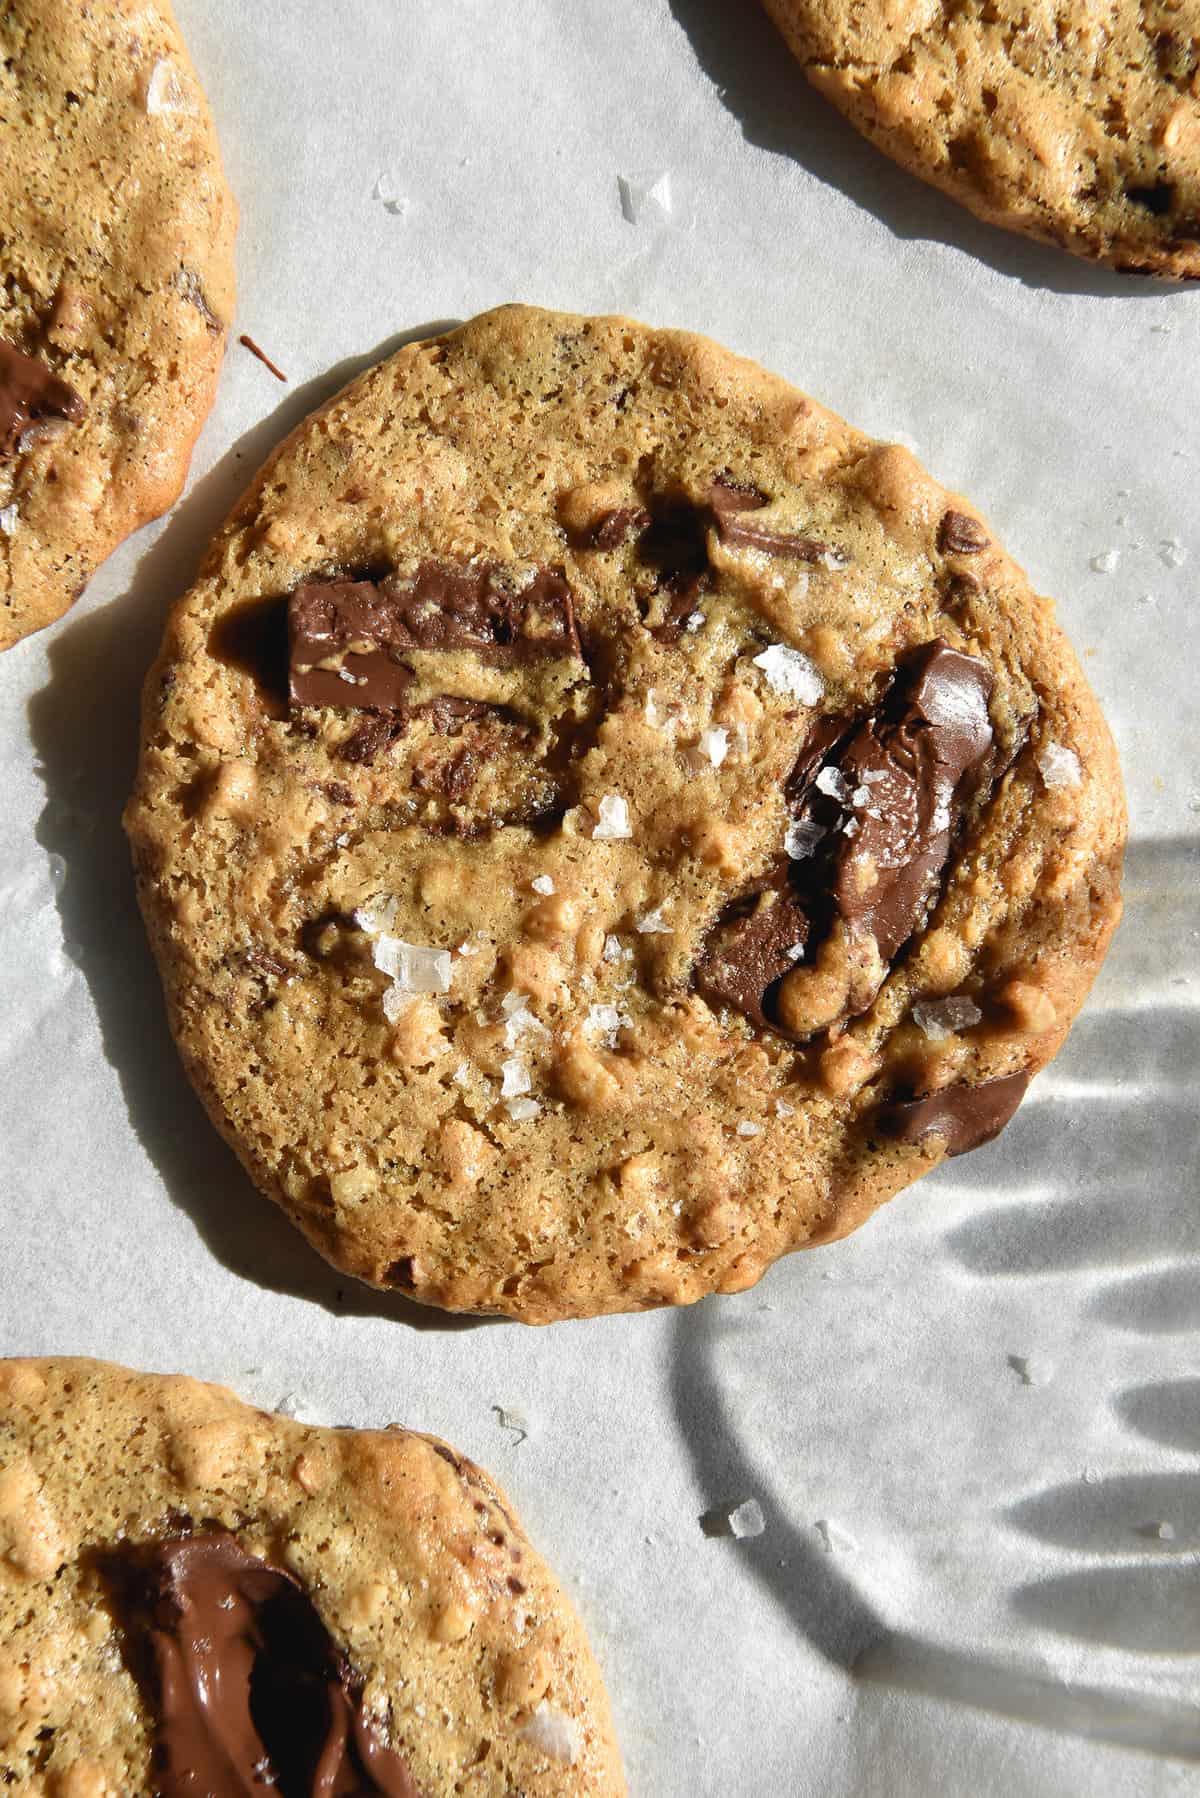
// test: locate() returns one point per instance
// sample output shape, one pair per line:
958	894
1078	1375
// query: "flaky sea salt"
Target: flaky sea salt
392	200
714	744
746	1128
165	92
615	949
1059	766
693	621
645	196
378	915
746	1519
801	839
939	1018
795	952
515	1077
413	967
1161	1531
542	883
1172	553
783	1109
8	520
652	923
1031	1370
834	784
552	1733
833	1539
790	672
1106	561
468	948
603	1021
612	825
523	1111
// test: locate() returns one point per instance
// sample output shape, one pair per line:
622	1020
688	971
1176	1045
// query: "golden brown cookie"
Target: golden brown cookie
116	287
198	1599
1077	124
603	822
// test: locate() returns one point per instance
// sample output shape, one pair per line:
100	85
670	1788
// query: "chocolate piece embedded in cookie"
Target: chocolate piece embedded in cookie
603	966
962	1116
249	1687
30	391
218	1602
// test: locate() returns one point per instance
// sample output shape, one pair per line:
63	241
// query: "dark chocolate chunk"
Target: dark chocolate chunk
617	527
964	1115
348	639
729	499
728	495
959	535
881	826
752	948
370	738
252	1693
29	391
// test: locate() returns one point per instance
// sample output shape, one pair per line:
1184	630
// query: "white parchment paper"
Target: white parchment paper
975	1577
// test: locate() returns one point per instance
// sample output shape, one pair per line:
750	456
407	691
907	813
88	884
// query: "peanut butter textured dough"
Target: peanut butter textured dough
1077	124
116	287
462	1663
683	827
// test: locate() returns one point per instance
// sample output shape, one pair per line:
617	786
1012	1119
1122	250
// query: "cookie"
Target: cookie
200	1599
116	287
603	822
1077	125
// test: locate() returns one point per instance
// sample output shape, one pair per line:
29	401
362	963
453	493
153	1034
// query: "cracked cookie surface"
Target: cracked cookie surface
1076	124
116	287
200	1596
604	823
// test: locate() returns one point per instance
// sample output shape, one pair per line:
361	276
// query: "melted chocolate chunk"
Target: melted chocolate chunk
348	639
880	827
959	535
252	1693
964	1115
729	499
30	391
728	495
912	760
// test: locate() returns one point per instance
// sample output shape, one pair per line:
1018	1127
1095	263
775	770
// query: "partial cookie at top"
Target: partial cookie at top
116	287
198	1597
603	822
1076	124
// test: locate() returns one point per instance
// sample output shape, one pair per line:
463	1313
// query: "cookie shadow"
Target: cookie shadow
84	727
1092	1185
763	86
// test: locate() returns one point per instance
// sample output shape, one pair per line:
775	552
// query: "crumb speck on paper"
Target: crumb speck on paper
393	200
255	349
509	1418
1032	1370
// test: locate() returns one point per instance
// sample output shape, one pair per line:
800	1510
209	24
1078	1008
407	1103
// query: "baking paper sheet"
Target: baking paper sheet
975	1577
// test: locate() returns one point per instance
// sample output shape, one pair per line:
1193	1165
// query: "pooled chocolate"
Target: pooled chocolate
253	1696
965	1116
30	391
348	640
876	808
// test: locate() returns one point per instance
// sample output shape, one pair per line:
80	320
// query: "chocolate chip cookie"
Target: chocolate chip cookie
203	1599
603	822
116	287
1078	124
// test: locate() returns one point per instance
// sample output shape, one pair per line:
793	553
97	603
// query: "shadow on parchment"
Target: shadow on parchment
763	86
84	726
1136	1591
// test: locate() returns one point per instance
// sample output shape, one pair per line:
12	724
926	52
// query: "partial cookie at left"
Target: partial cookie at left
202	1600
116	287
